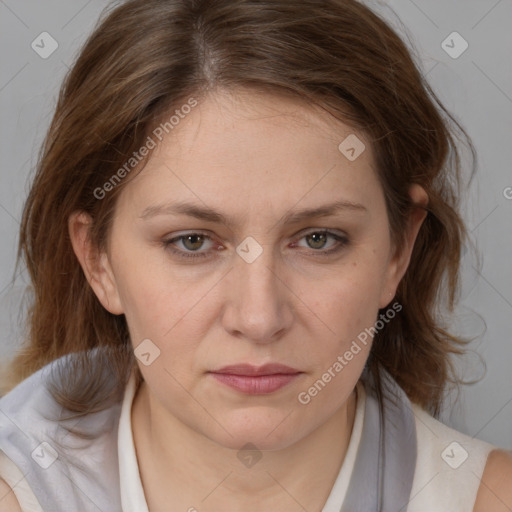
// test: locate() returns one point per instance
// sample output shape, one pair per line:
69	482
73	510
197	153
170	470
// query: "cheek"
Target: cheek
156	309
170	309
348	306
145	295
350	299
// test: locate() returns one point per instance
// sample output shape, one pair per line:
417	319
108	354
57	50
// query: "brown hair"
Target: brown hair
144	59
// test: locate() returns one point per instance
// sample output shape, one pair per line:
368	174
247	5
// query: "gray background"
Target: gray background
476	87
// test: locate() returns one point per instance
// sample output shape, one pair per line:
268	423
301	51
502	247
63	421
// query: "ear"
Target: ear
402	256
95	264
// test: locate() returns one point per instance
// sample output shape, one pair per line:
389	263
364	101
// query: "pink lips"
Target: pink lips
256	380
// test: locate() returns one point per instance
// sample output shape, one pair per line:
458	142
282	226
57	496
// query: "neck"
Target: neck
197	472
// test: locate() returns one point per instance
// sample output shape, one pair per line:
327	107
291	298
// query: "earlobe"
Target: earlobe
95	264
402	257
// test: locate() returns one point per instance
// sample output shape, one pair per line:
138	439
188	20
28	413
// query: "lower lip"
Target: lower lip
256	385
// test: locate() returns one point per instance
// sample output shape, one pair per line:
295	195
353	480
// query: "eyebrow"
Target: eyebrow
210	215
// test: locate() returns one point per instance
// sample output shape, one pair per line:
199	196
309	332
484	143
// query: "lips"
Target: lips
250	370
256	380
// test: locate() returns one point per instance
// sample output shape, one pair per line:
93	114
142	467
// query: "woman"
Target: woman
244	219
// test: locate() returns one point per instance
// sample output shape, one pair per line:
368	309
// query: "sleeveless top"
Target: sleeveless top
426	465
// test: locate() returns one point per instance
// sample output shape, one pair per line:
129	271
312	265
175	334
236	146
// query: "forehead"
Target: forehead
253	151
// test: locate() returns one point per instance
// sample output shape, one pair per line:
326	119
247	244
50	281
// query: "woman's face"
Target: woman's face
257	281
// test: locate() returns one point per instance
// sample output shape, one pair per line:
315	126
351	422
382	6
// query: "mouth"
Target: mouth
256	380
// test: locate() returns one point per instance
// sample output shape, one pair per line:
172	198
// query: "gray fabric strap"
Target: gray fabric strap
386	460
65	474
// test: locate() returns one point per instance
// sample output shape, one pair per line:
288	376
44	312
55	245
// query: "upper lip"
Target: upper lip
251	370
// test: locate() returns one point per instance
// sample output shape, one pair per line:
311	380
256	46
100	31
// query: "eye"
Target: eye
191	243
319	241
200	245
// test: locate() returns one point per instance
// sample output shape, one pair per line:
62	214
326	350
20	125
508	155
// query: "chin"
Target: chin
266	431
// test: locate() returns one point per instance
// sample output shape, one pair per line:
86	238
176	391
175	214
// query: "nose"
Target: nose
258	303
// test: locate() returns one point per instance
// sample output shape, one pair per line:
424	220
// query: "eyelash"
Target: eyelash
168	244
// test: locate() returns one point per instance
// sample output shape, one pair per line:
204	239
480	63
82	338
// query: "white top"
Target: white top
132	493
449	465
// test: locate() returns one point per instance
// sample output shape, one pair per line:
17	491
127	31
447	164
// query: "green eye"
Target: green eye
193	242
319	239
192	245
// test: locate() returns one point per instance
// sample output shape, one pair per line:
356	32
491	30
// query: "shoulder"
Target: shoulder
15	491
81	449
495	490
449	466
456	449
8	501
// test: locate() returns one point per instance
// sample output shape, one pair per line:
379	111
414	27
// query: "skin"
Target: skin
254	158
495	491
8	501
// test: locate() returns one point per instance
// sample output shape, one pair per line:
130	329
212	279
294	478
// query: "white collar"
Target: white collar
132	492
